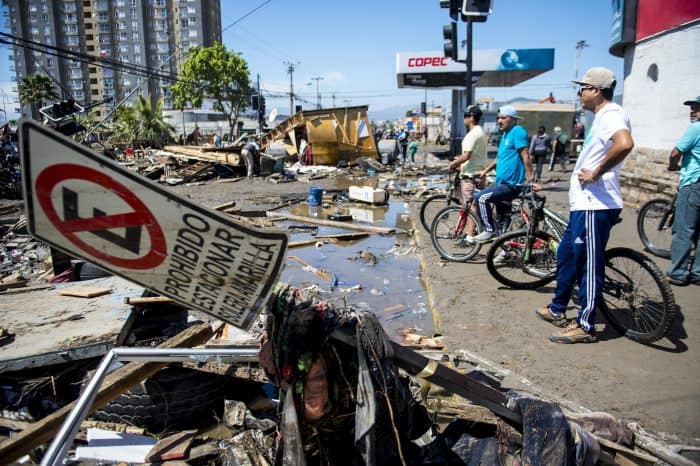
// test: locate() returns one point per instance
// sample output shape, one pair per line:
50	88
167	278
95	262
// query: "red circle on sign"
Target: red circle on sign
141	216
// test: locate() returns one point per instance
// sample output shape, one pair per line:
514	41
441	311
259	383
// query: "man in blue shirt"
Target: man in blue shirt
512	167
686	221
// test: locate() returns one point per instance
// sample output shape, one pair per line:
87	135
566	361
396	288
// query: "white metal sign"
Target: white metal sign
90	207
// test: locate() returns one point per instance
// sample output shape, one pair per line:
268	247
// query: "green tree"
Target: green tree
150	127
141	124
214	73
123	125
34	90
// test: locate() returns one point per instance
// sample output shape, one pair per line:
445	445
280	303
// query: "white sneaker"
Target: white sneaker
500	258
484	236
469	239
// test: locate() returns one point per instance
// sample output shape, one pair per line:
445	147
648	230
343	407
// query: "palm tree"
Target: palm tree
150	128
34	90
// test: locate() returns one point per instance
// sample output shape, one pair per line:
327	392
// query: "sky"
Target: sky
352	46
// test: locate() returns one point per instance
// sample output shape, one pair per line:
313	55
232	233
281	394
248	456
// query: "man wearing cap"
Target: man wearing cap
595	202
512	167
686	221
472	160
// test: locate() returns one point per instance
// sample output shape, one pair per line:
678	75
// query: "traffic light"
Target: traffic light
449	33
254	101
61	110
453	5
477	10
261	109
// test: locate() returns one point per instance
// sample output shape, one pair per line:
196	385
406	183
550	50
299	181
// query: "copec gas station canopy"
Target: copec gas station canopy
490	68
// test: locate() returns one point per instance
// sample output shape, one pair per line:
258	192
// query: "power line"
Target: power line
246	15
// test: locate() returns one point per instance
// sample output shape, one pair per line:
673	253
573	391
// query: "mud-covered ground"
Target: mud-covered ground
656	385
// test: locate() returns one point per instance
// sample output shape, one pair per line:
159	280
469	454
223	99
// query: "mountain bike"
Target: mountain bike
449	235
637	300
654	223
435	203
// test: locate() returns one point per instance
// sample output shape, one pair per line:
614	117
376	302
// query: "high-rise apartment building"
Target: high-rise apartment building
150	34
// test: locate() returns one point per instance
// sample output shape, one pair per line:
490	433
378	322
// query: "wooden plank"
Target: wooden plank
344	236
114	385
148	300
27	289
85	291
225	205
172	447
331	223
341	126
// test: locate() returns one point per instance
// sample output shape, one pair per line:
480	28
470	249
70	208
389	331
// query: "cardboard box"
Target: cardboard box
368	194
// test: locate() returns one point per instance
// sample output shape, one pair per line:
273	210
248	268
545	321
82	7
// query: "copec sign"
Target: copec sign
499	67
414	62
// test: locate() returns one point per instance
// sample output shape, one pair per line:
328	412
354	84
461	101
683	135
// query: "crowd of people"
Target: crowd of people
595	195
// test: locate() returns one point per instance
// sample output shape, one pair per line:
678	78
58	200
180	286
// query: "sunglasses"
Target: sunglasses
585	87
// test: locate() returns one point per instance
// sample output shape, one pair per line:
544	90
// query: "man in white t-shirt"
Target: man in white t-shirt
472	160
595	202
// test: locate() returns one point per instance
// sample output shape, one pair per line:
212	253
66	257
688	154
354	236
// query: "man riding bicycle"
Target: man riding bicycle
513	167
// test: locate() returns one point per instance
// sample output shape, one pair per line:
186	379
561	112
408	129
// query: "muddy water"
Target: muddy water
380	273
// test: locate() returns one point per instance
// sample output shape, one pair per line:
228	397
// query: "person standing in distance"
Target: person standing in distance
513	167
685	157
595	202
559	150
250	153
472	161
540	146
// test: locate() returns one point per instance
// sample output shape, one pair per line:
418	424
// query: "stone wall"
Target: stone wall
645	175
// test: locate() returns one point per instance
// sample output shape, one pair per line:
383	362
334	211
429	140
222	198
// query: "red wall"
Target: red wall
654	16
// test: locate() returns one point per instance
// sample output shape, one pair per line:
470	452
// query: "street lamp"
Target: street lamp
580	45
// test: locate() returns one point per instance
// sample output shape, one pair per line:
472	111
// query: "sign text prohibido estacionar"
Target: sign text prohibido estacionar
90	207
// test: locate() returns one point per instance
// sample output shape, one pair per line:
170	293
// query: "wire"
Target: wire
246	15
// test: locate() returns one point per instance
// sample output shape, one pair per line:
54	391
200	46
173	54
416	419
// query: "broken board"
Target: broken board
50	328
85	291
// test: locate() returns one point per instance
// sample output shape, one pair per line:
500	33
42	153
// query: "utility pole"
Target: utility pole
470	96
260	121
290	70
580	45
318	94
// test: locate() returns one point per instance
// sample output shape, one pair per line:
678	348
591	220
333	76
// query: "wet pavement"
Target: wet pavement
380	273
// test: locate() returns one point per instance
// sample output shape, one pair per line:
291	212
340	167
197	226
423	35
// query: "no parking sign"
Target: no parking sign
90	207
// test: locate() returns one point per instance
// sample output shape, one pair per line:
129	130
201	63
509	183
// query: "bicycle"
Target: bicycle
654	223
637	300
449	237
433	204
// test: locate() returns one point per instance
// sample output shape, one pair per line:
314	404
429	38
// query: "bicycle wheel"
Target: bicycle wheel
637	301
506	260
654	227
448	234
431	206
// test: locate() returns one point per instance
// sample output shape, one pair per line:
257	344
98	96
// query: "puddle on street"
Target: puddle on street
380	274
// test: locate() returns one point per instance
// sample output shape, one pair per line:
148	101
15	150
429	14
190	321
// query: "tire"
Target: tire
431	206
448	236
166	399
655	236
506	264
637	300
89	271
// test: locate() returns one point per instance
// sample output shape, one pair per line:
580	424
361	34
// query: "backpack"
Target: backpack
562	141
